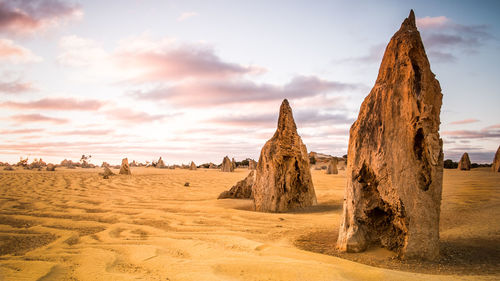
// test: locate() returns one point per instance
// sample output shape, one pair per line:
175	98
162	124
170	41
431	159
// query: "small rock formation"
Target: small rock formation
233	163
8	167
125	168
495	166
252	164
160	164
227	166
105	164
212	166
51	167
283	180
332	167
242	189
464	163
107	173
192	166
186	184
395	156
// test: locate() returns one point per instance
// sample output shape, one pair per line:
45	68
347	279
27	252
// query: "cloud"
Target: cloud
15	87
441	33
472	134
56	104
21	17
466	121
186	15
135	117
86	132
78	51
21	131
11	52
302	117
32	118
219	92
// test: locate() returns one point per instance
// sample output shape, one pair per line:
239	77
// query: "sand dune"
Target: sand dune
74	225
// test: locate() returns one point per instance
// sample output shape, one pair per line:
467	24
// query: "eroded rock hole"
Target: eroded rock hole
416	70
418	144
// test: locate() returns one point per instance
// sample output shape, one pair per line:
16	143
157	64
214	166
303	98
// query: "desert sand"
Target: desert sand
74	225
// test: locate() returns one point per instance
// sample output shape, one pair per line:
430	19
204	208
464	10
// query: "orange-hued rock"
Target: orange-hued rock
233	162
464	163
332	166
242	189
283	179
495	166
395	156
227	166
252	164
161	164
192	166
125	168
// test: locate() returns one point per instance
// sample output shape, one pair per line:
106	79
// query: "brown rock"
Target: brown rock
395	156
192	166
107	173
233	163
242	189
496	161
212	166
8	167
252	164
464	163
283	179
160	164
332	167
125	168
227	166
51	167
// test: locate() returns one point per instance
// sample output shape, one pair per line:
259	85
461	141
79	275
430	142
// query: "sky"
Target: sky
198	80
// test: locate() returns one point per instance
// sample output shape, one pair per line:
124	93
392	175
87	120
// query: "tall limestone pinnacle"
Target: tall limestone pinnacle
283	180
395	168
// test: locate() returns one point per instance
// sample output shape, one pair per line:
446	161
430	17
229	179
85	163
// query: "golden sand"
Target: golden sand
75	225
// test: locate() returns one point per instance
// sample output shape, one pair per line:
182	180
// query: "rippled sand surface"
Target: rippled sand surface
75	225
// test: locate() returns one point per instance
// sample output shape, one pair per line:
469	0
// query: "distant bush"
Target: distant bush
449	164
312	160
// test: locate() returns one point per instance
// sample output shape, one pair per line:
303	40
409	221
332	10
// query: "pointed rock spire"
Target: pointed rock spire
395	156
496	161
283	180
464	163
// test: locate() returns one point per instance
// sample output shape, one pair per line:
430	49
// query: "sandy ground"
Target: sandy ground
74	225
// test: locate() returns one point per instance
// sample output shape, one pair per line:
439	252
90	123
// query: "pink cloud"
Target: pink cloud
466	121
219	92
15	87
186	15
21	131
432	22
130	116
32	118
56	104
86	132
12	52
470	134
22	17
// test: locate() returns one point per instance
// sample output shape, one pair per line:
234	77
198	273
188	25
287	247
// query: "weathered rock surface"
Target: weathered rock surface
233	163
395	156
496	161
283	179
51	167
332	167
125	168
107	173
464	163
227	166
192	166
252	164
242	189
212	166
160	164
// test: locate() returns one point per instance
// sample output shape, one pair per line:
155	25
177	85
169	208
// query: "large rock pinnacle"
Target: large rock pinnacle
395	168
283	179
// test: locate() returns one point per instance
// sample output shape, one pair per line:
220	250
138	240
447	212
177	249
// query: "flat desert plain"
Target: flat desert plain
75	225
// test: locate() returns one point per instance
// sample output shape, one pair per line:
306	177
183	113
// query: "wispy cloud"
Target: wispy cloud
35	118
21	131
186	15
21	17
134	117
56	104
11	52
15	87
466	121
219	92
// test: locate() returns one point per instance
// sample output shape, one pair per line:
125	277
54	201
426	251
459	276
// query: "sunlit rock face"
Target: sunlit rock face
242	189
496	161
227	165
283	179
125	168
464	163
395	156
